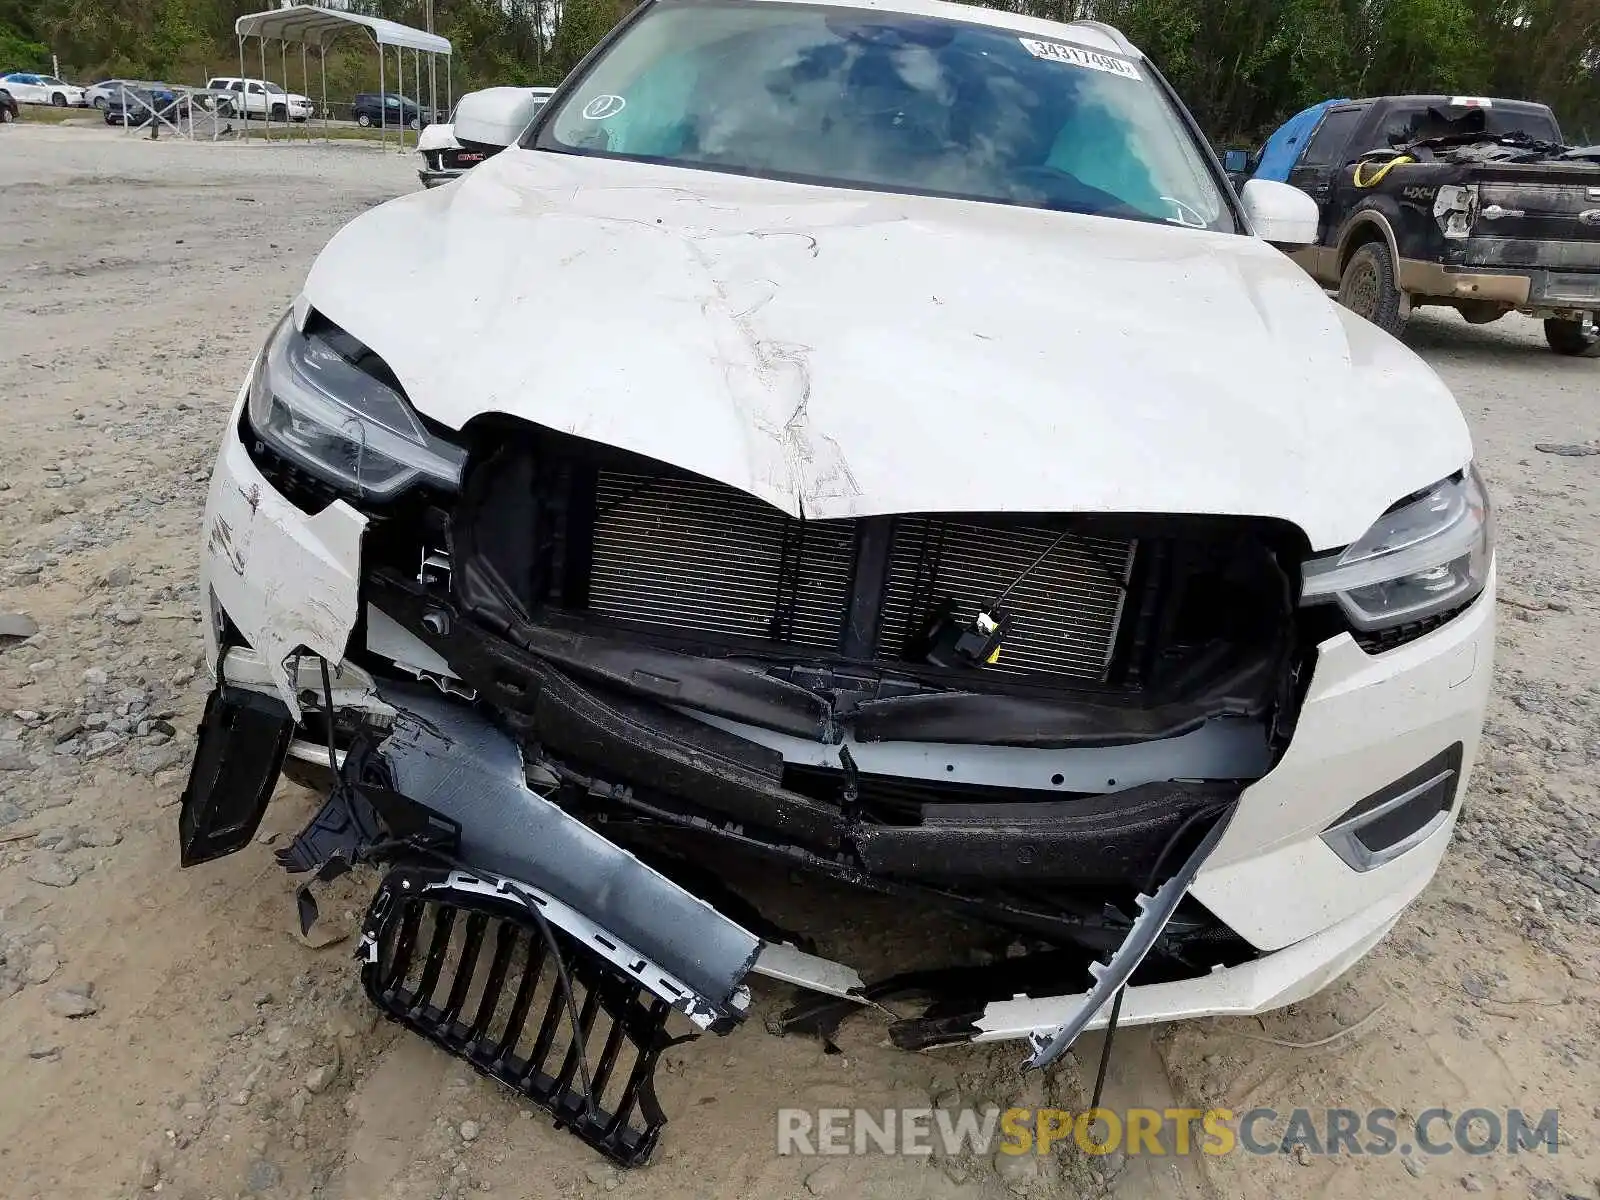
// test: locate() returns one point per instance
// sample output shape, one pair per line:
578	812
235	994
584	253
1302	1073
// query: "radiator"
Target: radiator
1066	596
692	554
688	554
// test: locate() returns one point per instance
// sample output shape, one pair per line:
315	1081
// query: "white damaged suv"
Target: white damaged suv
873	440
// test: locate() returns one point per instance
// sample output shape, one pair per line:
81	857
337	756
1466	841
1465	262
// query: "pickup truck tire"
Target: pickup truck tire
1580	339
279	112
1368	287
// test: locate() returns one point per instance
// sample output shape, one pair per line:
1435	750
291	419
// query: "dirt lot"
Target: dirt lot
170	1030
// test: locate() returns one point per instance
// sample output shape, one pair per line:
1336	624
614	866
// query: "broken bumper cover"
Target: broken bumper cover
1272	879
441	766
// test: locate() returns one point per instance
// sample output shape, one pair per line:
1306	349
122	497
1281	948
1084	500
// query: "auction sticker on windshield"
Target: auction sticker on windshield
603	107
1077	56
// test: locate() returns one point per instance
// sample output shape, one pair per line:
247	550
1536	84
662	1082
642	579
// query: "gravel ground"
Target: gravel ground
170	1031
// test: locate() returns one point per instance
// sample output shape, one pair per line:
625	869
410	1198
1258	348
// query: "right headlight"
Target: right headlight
1427	555
327	403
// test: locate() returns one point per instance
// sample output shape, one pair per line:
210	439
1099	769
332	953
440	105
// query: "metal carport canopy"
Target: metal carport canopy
309	25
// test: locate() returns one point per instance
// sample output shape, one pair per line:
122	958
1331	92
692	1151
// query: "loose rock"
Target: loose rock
42	964
72	1004
263	1176
318	1078
1016	1171
15	625
829	1177
52	872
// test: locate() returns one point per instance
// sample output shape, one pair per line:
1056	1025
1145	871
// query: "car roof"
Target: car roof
1094	34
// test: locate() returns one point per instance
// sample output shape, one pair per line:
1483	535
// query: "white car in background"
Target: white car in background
27	88
253	98
99	95
481	124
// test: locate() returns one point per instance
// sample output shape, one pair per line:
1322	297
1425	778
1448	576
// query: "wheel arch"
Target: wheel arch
1368	225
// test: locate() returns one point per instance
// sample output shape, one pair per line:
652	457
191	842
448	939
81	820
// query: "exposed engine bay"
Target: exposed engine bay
684	659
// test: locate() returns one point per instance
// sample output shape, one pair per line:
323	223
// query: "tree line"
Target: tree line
1241	65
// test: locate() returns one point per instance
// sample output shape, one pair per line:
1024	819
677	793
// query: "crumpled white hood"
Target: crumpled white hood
842	353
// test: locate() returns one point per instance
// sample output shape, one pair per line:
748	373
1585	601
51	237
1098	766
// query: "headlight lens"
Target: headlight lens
1426	556
319	401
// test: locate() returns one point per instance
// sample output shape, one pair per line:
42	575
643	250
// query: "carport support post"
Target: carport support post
283	70
266	109
244	125
383	109
400	82
322	58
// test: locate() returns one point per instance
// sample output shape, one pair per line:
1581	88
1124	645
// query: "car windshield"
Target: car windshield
275	89
893	102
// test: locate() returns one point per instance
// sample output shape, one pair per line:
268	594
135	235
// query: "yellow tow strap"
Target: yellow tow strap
1382	171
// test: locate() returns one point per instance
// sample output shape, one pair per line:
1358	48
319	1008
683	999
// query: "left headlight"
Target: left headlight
322	401
1427	555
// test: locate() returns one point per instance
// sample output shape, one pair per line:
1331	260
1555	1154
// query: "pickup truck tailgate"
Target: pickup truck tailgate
1546	216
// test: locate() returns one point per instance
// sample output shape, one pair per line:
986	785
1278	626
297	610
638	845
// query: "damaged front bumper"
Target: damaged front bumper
1253	851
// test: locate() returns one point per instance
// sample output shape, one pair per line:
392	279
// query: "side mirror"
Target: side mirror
495	116
1280	214
1236	162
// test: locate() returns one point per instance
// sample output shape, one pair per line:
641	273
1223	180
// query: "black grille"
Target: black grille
686	553
477	978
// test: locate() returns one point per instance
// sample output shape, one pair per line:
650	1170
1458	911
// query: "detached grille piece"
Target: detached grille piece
691	554
1065	609
476	977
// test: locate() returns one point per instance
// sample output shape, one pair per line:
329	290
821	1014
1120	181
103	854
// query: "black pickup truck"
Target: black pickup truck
1472	203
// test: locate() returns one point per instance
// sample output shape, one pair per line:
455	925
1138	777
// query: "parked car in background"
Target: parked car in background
97	94
135	104
1466	202
253	98
388	110
451	149
27	88
8	107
